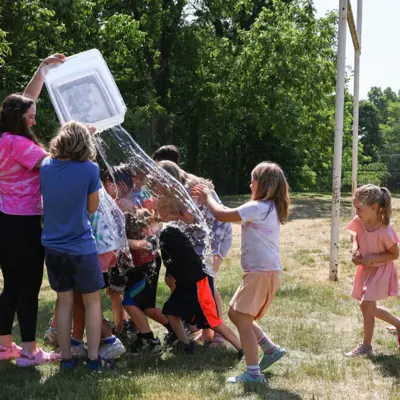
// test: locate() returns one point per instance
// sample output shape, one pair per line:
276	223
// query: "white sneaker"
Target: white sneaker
78	351
111	351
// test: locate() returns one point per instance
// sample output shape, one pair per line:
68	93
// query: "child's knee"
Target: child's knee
232	315
65	299
368	307
170	281
90	299
172	318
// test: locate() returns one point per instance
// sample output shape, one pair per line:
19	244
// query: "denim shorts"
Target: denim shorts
67	272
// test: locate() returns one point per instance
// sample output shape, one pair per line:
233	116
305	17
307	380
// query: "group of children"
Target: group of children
110	232
103	231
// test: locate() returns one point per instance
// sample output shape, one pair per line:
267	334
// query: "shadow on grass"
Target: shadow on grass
47	382
271	394
388	365
262	391
303	206
306	208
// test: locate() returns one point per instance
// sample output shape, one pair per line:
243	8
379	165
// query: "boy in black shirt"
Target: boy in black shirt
193	298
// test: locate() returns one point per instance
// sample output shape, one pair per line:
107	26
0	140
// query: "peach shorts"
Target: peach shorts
256	292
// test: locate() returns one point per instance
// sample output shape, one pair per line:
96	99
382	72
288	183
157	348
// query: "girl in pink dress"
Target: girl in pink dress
375	247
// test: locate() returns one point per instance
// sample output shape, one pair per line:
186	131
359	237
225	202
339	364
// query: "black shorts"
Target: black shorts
67	272
106	280
195	304
115	280
143	292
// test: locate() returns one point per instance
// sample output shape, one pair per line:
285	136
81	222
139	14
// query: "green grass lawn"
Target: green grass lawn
315	319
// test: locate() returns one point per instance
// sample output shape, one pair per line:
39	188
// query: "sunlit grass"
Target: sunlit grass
316	320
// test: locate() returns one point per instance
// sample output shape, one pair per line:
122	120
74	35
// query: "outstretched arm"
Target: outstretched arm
36	84
224	214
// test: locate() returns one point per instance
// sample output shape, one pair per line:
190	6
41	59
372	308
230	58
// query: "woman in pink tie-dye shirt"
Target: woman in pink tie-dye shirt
21	252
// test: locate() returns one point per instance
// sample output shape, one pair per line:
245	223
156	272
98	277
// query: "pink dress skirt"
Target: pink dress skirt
375	283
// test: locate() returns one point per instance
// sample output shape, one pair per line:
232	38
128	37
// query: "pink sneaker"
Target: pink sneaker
7	353
41	357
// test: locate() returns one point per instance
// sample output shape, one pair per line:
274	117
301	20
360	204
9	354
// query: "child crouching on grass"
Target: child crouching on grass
70	183
141	287
193	298
260	259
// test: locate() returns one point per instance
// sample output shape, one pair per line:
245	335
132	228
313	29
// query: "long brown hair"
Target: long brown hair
272	185
372	194
12	118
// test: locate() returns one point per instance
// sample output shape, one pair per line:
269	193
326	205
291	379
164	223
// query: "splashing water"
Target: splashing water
139	185
83	88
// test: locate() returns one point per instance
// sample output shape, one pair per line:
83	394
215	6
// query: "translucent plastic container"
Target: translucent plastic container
83	89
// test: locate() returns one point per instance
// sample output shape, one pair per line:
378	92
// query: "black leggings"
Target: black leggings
21	262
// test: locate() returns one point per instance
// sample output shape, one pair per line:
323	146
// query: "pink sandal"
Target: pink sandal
41	357
8	353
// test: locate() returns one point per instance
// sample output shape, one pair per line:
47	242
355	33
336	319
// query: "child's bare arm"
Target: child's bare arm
355	253
374	260
139	244
93	202
220	212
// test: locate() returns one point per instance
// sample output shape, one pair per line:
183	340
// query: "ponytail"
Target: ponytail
385	205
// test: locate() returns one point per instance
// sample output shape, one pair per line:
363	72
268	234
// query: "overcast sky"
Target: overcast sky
380	55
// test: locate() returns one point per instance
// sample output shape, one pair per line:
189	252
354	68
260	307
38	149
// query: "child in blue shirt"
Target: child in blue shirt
70	182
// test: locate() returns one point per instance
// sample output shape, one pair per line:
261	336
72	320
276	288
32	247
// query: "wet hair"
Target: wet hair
12	118
168	152
372	194
183	177
134	225
272	186
73	141
136	221
171	168
120	174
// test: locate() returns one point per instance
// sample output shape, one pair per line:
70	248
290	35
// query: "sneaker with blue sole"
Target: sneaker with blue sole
270	358
246	378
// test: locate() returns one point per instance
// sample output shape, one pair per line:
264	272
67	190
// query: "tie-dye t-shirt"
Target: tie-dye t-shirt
19	180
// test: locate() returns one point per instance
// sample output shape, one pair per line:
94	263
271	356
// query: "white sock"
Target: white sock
266	344
253	371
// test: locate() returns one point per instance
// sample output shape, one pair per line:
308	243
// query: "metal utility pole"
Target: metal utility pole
357	52
337	161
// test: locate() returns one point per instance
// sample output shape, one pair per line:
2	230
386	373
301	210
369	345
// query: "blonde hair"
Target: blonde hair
183	177
73	141
372	194
272	186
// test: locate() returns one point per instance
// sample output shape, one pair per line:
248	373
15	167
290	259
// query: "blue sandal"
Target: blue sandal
100	364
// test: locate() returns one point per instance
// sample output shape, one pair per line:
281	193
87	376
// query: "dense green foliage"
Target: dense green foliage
379	136
231	82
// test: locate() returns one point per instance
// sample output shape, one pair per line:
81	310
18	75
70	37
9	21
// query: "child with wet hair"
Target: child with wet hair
220	232
193	298
124	184
141	282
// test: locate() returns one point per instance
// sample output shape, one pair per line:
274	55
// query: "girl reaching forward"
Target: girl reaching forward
260	259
